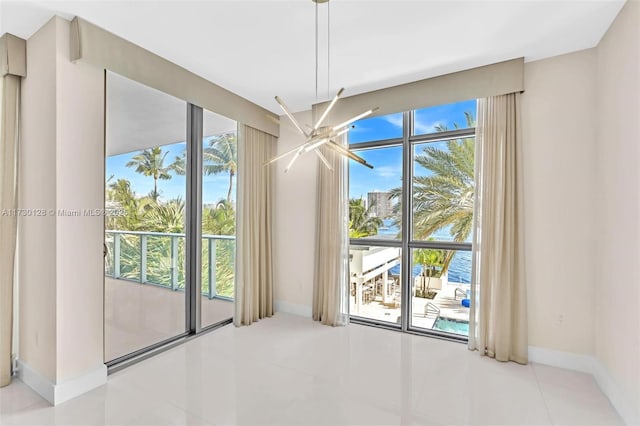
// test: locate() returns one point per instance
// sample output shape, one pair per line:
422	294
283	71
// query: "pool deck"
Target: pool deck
450	307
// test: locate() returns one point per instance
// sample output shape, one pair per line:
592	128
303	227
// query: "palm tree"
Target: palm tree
179	165
219	220
361	223
165	217
119	194
221	156
432	260
445	196
150	162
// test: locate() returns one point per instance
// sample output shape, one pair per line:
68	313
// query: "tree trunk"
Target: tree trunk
230	186
155	188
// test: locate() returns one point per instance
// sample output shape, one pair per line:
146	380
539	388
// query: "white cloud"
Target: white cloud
359	128
422	127
395	119
387	171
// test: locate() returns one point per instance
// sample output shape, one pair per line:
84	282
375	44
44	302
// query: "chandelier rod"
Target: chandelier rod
316	52
317	44
319	136
328	49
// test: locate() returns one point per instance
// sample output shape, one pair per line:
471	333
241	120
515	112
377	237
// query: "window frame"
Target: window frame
407	243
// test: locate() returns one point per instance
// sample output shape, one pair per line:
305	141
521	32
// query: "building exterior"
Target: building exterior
380	204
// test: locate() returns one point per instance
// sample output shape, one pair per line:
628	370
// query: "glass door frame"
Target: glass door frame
193	247
193	220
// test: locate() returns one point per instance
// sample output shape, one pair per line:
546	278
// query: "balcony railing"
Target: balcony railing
158	258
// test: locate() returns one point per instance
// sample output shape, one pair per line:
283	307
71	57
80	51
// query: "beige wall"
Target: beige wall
617	339
61	167
79	185
294	222
558	130
37	190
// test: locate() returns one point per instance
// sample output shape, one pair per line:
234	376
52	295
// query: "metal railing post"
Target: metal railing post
174	263
143	258
173	269
116	255
212	268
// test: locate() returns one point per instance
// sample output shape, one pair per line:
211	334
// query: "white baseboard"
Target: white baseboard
36	381
57	393
566	360
293	308
627	410
591	365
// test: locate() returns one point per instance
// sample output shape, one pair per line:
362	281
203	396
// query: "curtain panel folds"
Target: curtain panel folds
330	289
13	66
9	139
254	276
498	318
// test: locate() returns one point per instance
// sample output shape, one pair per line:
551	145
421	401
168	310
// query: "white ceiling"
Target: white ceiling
258	49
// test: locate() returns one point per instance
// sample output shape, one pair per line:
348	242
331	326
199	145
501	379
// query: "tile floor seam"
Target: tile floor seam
544	399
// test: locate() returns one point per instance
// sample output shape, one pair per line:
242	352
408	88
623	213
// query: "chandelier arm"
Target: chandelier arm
315	144
323	158
342	132
291	117
356	118
294	158
284	154
326	111
344	151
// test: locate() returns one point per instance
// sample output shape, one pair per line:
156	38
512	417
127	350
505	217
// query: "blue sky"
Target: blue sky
387	162
214	189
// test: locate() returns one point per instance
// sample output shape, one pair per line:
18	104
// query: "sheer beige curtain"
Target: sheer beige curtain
498	318
254	282
330	291
9	118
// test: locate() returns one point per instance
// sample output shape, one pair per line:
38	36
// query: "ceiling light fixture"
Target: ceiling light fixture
322	135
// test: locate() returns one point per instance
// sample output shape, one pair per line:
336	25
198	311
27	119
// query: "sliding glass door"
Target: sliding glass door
160	170
410	220
145	197
219	177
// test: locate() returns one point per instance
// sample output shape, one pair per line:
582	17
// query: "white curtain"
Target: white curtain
330	289
498	318
254	278
9	119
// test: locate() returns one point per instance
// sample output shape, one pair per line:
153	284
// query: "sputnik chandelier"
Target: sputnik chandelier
320	135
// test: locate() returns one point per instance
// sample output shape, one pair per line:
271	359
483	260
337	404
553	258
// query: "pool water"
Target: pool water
452	326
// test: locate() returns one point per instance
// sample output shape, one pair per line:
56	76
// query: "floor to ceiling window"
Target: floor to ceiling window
410	219
169	190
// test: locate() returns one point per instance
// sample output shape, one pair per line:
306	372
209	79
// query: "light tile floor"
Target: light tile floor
288	370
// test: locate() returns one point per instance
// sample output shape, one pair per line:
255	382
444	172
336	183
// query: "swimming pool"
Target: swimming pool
452	326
